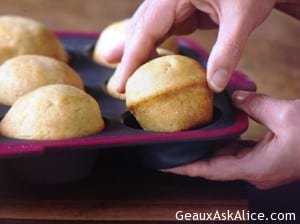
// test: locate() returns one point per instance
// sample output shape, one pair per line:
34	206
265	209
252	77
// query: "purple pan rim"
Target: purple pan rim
28	147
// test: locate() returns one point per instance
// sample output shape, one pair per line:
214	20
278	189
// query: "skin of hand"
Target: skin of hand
274	160
271	162
157	19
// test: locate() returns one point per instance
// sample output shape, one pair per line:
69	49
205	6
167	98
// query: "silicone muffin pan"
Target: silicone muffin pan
157	150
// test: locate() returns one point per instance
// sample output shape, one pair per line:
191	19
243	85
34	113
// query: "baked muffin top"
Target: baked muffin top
162	75
53	112
25	73
20	35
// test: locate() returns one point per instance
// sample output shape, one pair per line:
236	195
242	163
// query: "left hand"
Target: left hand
273	161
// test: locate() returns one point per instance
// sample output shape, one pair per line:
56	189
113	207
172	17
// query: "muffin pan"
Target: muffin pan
156	150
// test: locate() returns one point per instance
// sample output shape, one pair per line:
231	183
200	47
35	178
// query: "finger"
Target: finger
146	29
228	163
216	168
232	148
226	52
244	161
248	164
264	109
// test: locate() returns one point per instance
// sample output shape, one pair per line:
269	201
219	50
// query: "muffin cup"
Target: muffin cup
73	159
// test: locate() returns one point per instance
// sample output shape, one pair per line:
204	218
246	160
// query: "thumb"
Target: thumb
264	109
226	52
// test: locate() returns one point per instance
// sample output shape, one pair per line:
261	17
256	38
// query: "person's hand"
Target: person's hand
271	162
156	19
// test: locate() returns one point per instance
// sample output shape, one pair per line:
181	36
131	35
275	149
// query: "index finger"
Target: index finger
227	165
146	29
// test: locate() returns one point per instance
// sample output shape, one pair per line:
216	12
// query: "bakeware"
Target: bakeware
156	150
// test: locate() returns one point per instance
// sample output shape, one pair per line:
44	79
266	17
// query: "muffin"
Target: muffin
19	35
170	94
116	33
53	112
25	73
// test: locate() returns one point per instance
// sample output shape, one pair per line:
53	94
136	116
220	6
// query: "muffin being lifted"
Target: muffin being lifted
170	94
53	112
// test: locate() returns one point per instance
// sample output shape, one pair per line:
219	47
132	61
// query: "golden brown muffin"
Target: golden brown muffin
170	94
53	112
25	73
116	33
19	35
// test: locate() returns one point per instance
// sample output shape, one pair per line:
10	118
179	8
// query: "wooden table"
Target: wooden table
121	189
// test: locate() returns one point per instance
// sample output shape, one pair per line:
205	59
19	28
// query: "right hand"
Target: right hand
157	19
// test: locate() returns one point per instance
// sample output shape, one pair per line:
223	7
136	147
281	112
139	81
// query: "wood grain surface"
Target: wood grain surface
119	188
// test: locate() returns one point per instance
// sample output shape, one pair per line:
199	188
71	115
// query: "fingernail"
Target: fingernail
239	96
219	80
